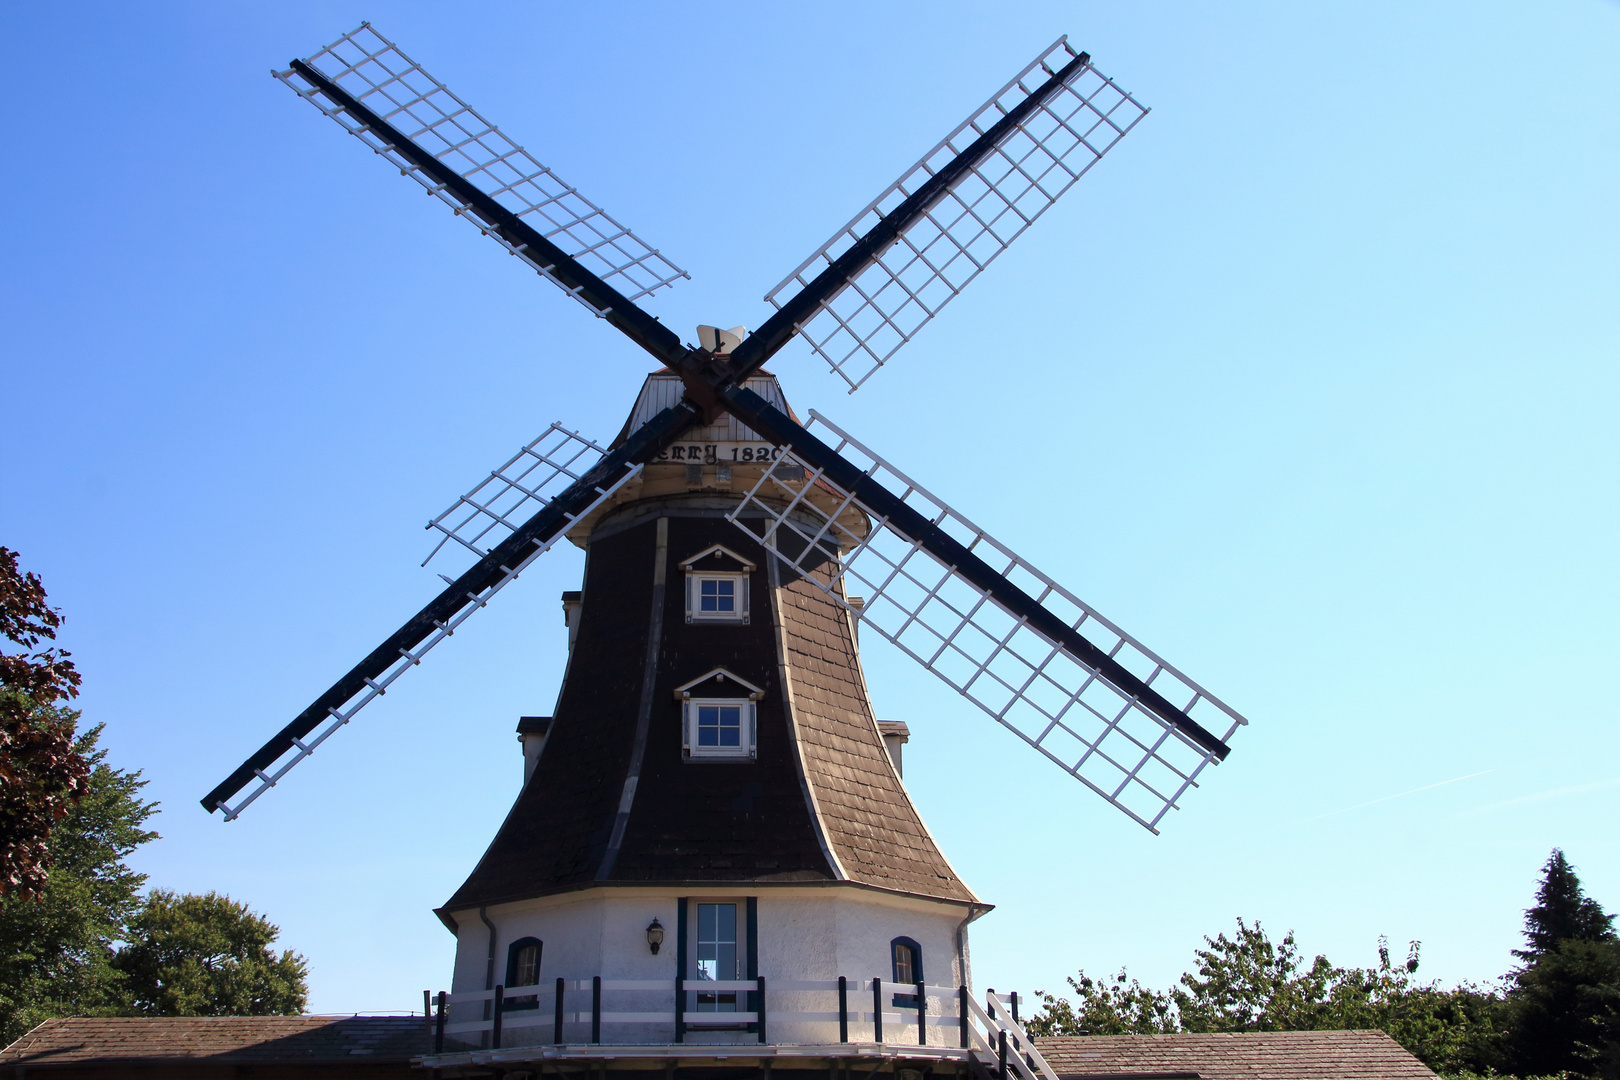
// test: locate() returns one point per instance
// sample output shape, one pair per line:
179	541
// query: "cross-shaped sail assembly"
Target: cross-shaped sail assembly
1069	682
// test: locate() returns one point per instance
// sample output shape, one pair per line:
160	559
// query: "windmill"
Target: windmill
713	736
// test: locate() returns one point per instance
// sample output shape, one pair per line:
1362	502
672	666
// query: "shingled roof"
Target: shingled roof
370	1046
821	803
1256	1055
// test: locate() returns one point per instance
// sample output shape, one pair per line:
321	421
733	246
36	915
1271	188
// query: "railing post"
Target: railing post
438	1025
962	1014
922	1016
495	1032
1001	1052
762	1013
843	1010
680	1009
557	1013
877	1010
596	1008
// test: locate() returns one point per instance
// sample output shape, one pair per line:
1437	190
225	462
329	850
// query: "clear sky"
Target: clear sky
1310	385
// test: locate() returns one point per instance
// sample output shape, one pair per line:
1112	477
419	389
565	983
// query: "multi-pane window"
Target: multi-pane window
902	964
522	969
907	958
717	597
717	955
720	728
526	966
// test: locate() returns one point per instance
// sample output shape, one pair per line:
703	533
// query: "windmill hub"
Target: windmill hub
721	342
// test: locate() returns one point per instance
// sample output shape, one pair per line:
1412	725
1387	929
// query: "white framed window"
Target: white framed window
717	586
717	597
720	728
718	719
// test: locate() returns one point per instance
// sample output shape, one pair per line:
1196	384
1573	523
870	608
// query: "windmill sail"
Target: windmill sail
1097	702
1007	186
512	494
373	71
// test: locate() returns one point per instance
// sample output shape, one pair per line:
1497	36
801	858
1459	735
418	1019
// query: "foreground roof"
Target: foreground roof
1257	1055
219	1040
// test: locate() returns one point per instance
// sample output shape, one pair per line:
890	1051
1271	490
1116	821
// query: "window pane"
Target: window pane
902	964
526	971
720	726
717	954
717	595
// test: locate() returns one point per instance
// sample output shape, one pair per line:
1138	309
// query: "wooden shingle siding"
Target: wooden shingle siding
821	803
555	834
873	828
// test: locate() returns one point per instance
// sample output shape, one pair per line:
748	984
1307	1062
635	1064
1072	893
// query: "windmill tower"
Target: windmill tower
713	852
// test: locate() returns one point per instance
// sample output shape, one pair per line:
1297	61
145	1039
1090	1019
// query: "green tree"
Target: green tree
1564	1004
1562	912
208	956
1451	1029
56	946
41	776
1116	1006
1247	982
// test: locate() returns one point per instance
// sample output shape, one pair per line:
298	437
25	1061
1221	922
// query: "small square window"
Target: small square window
720	728
717	597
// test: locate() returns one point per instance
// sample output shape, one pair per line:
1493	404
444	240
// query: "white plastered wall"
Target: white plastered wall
805	934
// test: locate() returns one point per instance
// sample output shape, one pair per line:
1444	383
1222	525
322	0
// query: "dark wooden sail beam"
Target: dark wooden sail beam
642	446
773	424
640	327
780	328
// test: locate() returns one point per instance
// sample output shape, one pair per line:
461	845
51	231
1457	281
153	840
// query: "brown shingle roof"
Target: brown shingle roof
1259	1055
246	1040
870	823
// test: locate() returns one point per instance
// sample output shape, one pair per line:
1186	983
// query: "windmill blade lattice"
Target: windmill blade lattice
516	491
859	328
371	687
1099	733
375	72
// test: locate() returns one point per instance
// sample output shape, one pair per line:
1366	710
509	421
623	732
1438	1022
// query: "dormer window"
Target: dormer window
717	586
718	717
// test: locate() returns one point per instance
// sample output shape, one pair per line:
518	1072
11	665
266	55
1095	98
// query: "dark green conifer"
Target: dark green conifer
1563	912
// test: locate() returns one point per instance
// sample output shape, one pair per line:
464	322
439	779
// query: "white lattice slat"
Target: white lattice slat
516	491
858	329
373	70
1099	734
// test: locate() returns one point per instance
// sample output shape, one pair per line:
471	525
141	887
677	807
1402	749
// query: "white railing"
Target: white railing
863	1012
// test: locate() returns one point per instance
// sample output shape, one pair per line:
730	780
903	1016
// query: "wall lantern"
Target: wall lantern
655	935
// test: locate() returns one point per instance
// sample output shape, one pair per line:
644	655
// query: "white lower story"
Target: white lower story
799	939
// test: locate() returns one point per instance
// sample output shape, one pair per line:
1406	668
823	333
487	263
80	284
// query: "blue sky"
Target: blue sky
1310	385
